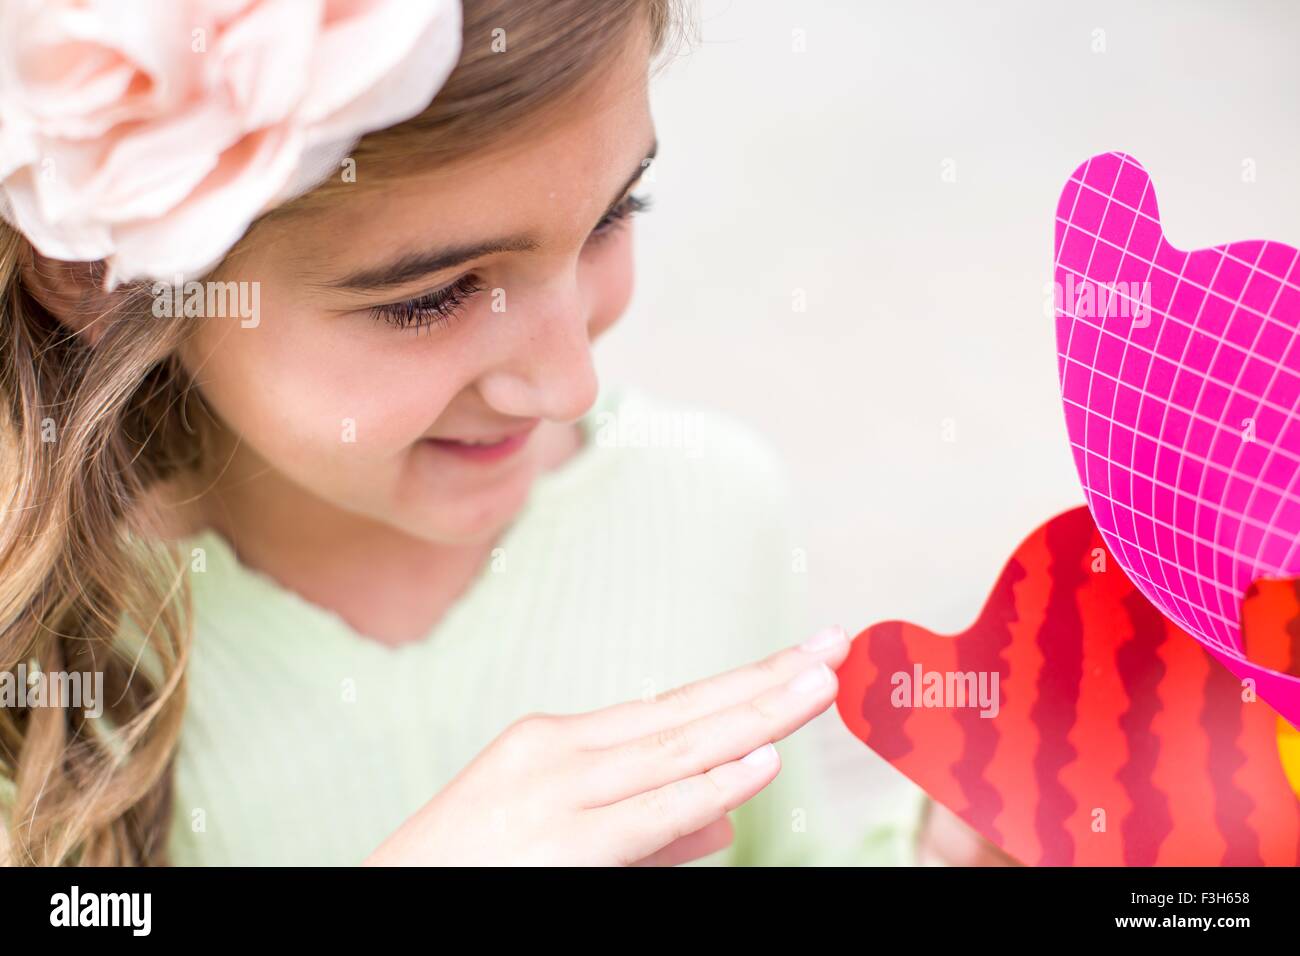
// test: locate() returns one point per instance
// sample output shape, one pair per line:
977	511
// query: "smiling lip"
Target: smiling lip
484	449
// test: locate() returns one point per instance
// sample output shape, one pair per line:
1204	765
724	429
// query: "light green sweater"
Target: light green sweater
660	553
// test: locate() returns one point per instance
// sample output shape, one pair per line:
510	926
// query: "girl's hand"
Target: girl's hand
945	839
644	782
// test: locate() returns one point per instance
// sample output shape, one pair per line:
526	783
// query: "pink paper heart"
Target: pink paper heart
1180	377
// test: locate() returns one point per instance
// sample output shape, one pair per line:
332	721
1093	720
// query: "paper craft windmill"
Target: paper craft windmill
1117	700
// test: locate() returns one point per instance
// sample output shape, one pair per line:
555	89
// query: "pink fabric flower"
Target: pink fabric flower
151	133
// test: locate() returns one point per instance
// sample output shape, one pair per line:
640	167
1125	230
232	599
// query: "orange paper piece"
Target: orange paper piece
1074	724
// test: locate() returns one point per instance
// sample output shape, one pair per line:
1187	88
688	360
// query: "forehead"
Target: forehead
555	171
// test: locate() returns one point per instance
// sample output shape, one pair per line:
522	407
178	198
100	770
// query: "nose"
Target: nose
548	372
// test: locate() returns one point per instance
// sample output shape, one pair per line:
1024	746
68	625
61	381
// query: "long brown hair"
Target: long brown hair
91	431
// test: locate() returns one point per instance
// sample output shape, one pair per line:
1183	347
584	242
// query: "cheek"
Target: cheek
303	389
611	275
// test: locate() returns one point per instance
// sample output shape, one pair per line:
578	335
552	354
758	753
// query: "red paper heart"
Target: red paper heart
1117	740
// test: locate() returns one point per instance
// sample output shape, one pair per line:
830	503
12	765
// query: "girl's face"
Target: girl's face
424	314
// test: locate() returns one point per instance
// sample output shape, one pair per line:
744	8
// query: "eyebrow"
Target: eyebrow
411	266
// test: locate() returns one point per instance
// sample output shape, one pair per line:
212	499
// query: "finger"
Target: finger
621	722
714	837
606	776
648	822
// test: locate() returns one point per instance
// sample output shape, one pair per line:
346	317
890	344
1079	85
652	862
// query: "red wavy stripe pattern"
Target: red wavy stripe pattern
1118	740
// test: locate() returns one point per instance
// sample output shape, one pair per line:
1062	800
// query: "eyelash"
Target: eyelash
620	214
444	306
441	307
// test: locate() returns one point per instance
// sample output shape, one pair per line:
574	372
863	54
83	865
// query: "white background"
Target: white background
821	170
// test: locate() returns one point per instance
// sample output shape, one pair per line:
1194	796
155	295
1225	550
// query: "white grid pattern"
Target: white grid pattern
1229	513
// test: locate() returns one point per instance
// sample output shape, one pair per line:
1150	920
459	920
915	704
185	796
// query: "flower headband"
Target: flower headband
151	133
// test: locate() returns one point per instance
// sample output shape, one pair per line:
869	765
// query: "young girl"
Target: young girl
372	569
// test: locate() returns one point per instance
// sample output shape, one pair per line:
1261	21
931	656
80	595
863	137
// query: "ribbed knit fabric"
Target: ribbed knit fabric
660	553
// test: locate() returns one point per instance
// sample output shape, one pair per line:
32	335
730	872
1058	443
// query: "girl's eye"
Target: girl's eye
443	306
440	307
616	217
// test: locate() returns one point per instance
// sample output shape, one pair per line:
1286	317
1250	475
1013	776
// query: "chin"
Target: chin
475	520
449	502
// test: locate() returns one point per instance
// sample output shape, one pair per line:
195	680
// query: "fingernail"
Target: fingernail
825	639
813	679
761	757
